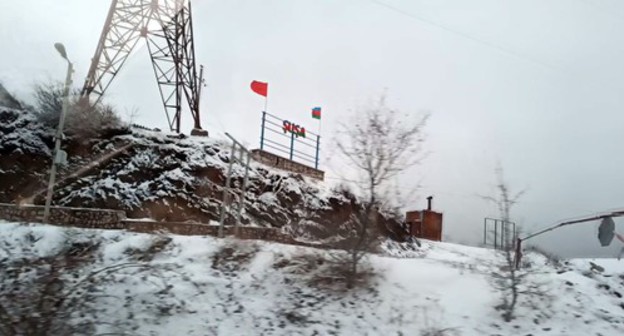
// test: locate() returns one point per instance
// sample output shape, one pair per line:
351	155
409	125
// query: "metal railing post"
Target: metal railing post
292	144
485	232
242	197
495	233
226	190
262	130
318	143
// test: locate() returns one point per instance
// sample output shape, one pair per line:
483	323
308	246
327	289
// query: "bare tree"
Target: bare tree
504	199
131	115
512	282
380	144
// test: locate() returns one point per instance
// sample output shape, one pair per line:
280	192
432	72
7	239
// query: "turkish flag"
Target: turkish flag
260	88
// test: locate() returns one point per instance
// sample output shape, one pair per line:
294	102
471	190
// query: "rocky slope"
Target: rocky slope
164	177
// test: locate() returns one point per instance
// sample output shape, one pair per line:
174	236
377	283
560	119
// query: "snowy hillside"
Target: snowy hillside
175	285
166	177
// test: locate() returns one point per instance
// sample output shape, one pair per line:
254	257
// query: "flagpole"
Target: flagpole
318	141
266	102
319	128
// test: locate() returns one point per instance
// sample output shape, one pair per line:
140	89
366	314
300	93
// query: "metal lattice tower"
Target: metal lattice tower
167	26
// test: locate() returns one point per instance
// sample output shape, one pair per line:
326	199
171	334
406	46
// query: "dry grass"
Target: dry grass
234	256
157	245
324	272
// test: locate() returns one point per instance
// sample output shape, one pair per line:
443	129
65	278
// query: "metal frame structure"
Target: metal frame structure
272	125
519	241
168	27
502	234
240	154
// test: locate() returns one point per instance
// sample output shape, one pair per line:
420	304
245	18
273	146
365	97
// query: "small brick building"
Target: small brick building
426	224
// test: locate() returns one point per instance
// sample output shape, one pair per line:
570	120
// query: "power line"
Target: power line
486	43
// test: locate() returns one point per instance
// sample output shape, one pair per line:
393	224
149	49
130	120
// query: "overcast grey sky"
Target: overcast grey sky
533	84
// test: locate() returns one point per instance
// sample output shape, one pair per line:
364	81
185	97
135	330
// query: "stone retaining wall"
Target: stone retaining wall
116	220
196	229
279	162
75	217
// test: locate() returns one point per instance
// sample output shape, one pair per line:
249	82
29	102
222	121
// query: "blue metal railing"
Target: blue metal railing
292	143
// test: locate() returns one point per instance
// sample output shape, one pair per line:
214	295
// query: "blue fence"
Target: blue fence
289	139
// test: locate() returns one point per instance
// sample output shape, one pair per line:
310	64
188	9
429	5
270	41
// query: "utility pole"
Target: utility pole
58	156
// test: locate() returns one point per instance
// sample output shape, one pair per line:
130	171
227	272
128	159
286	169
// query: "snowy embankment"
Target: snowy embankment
208	286
167	177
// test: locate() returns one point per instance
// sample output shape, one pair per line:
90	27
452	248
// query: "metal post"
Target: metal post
518	255
503	234
495	233
318	143
485	232
91	81
226	190
242	197
262	130
292	144
57	143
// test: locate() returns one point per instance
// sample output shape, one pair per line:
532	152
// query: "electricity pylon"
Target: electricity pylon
167	25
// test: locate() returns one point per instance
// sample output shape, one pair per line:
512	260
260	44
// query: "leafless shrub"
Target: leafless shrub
436	331
345	191
338	274
300	264
50	296
233	256
325	272
131	115
158	244
83	121
551	258
362	237
432	320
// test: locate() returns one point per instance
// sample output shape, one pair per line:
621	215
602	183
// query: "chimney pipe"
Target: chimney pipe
429	203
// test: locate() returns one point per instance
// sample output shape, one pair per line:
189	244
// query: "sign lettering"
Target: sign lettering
295	129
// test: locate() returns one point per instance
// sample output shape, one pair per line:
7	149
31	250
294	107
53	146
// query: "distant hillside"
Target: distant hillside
165	177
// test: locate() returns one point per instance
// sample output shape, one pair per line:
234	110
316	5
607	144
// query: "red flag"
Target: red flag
260	88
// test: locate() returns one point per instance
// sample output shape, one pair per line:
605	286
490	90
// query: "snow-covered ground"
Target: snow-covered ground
228	287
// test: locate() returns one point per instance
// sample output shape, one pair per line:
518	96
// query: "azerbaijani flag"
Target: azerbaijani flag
316	113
